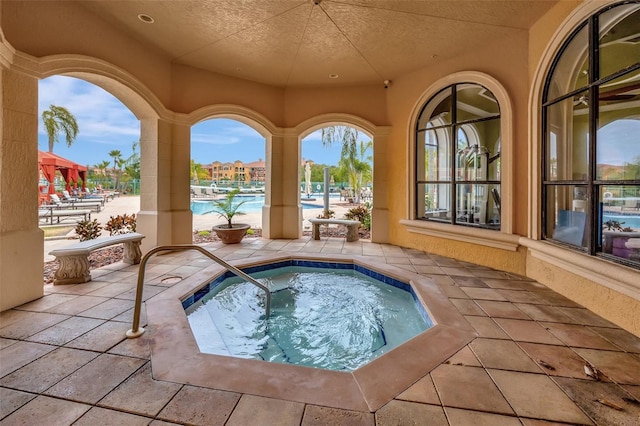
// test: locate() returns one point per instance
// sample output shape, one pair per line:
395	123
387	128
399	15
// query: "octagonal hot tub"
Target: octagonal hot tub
180	355
336	316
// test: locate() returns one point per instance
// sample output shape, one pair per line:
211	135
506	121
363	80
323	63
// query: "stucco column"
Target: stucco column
380	209
165	215
21	240
282	213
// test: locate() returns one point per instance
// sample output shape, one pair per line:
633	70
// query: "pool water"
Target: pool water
252	204
331	319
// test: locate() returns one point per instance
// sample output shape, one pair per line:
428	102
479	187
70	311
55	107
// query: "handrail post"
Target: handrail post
136	330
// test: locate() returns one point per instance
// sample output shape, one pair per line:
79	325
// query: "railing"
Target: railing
136	330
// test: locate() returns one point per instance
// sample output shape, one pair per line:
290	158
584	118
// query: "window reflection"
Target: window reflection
620	221
618	146
474	102
619	38
571	71
568	136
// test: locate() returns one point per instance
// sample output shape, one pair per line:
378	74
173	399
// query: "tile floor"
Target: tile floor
64	358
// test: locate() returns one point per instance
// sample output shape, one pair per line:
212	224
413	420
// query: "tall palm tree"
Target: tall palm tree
198	172
102	166
353	156
58	119
117	156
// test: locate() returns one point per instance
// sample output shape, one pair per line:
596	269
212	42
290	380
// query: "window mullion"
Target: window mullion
592	190
453	153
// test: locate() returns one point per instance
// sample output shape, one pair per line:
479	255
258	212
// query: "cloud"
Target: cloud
101	117
214	139
222	131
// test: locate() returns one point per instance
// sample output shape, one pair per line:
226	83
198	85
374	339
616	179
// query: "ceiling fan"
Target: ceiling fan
625	93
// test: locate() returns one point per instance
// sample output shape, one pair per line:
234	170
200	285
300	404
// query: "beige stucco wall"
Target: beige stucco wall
616	307
506	61
20	266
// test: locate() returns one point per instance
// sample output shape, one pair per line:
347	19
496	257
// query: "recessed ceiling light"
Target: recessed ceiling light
333	75
146	18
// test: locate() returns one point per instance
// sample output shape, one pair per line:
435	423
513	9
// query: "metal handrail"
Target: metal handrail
136	330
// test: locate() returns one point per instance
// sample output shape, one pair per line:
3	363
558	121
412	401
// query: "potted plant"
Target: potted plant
227	208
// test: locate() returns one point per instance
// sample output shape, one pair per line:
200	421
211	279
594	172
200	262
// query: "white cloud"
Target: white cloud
214	139
101	117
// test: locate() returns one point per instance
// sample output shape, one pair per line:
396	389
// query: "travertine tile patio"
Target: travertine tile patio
64	358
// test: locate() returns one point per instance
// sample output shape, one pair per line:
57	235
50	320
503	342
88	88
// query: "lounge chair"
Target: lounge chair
67	198
51	213
97	204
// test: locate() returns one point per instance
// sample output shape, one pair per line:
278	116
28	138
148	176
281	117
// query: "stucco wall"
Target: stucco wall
610	304
68	28
505	60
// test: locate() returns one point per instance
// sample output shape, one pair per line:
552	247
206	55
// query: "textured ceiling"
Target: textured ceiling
301	42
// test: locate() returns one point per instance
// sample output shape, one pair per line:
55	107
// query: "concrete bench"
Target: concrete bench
49	214
352	227
74	259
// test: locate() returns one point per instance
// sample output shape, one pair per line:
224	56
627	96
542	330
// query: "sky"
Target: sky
105	124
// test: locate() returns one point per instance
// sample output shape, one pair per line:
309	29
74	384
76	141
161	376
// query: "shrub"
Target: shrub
204	233
88	229
250	231
360	213
121	224
327	214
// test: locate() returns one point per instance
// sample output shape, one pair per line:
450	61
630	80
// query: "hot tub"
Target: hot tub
336	316
176	356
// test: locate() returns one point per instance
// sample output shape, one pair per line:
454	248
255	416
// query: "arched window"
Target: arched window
591	137
458	177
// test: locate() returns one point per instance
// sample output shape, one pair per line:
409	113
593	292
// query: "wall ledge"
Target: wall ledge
482	237
620	278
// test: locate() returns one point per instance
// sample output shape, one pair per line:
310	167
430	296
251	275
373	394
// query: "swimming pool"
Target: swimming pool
252	204
331	316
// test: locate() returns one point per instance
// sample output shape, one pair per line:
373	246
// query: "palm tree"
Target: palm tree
353	157
117	157
58	119
102	166
198	172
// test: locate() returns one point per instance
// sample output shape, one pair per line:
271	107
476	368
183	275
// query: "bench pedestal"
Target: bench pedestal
72	270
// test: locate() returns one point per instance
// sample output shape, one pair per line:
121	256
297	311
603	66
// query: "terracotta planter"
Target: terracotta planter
231	235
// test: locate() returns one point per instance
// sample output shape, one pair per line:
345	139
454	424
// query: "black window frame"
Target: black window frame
593	229
452	129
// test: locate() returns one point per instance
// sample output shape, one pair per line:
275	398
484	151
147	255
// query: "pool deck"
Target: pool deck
65	360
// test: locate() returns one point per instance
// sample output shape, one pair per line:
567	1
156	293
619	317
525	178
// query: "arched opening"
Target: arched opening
348	179
347	157
226	155
106	147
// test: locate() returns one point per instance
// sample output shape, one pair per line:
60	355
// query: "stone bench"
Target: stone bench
74	259
352	227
